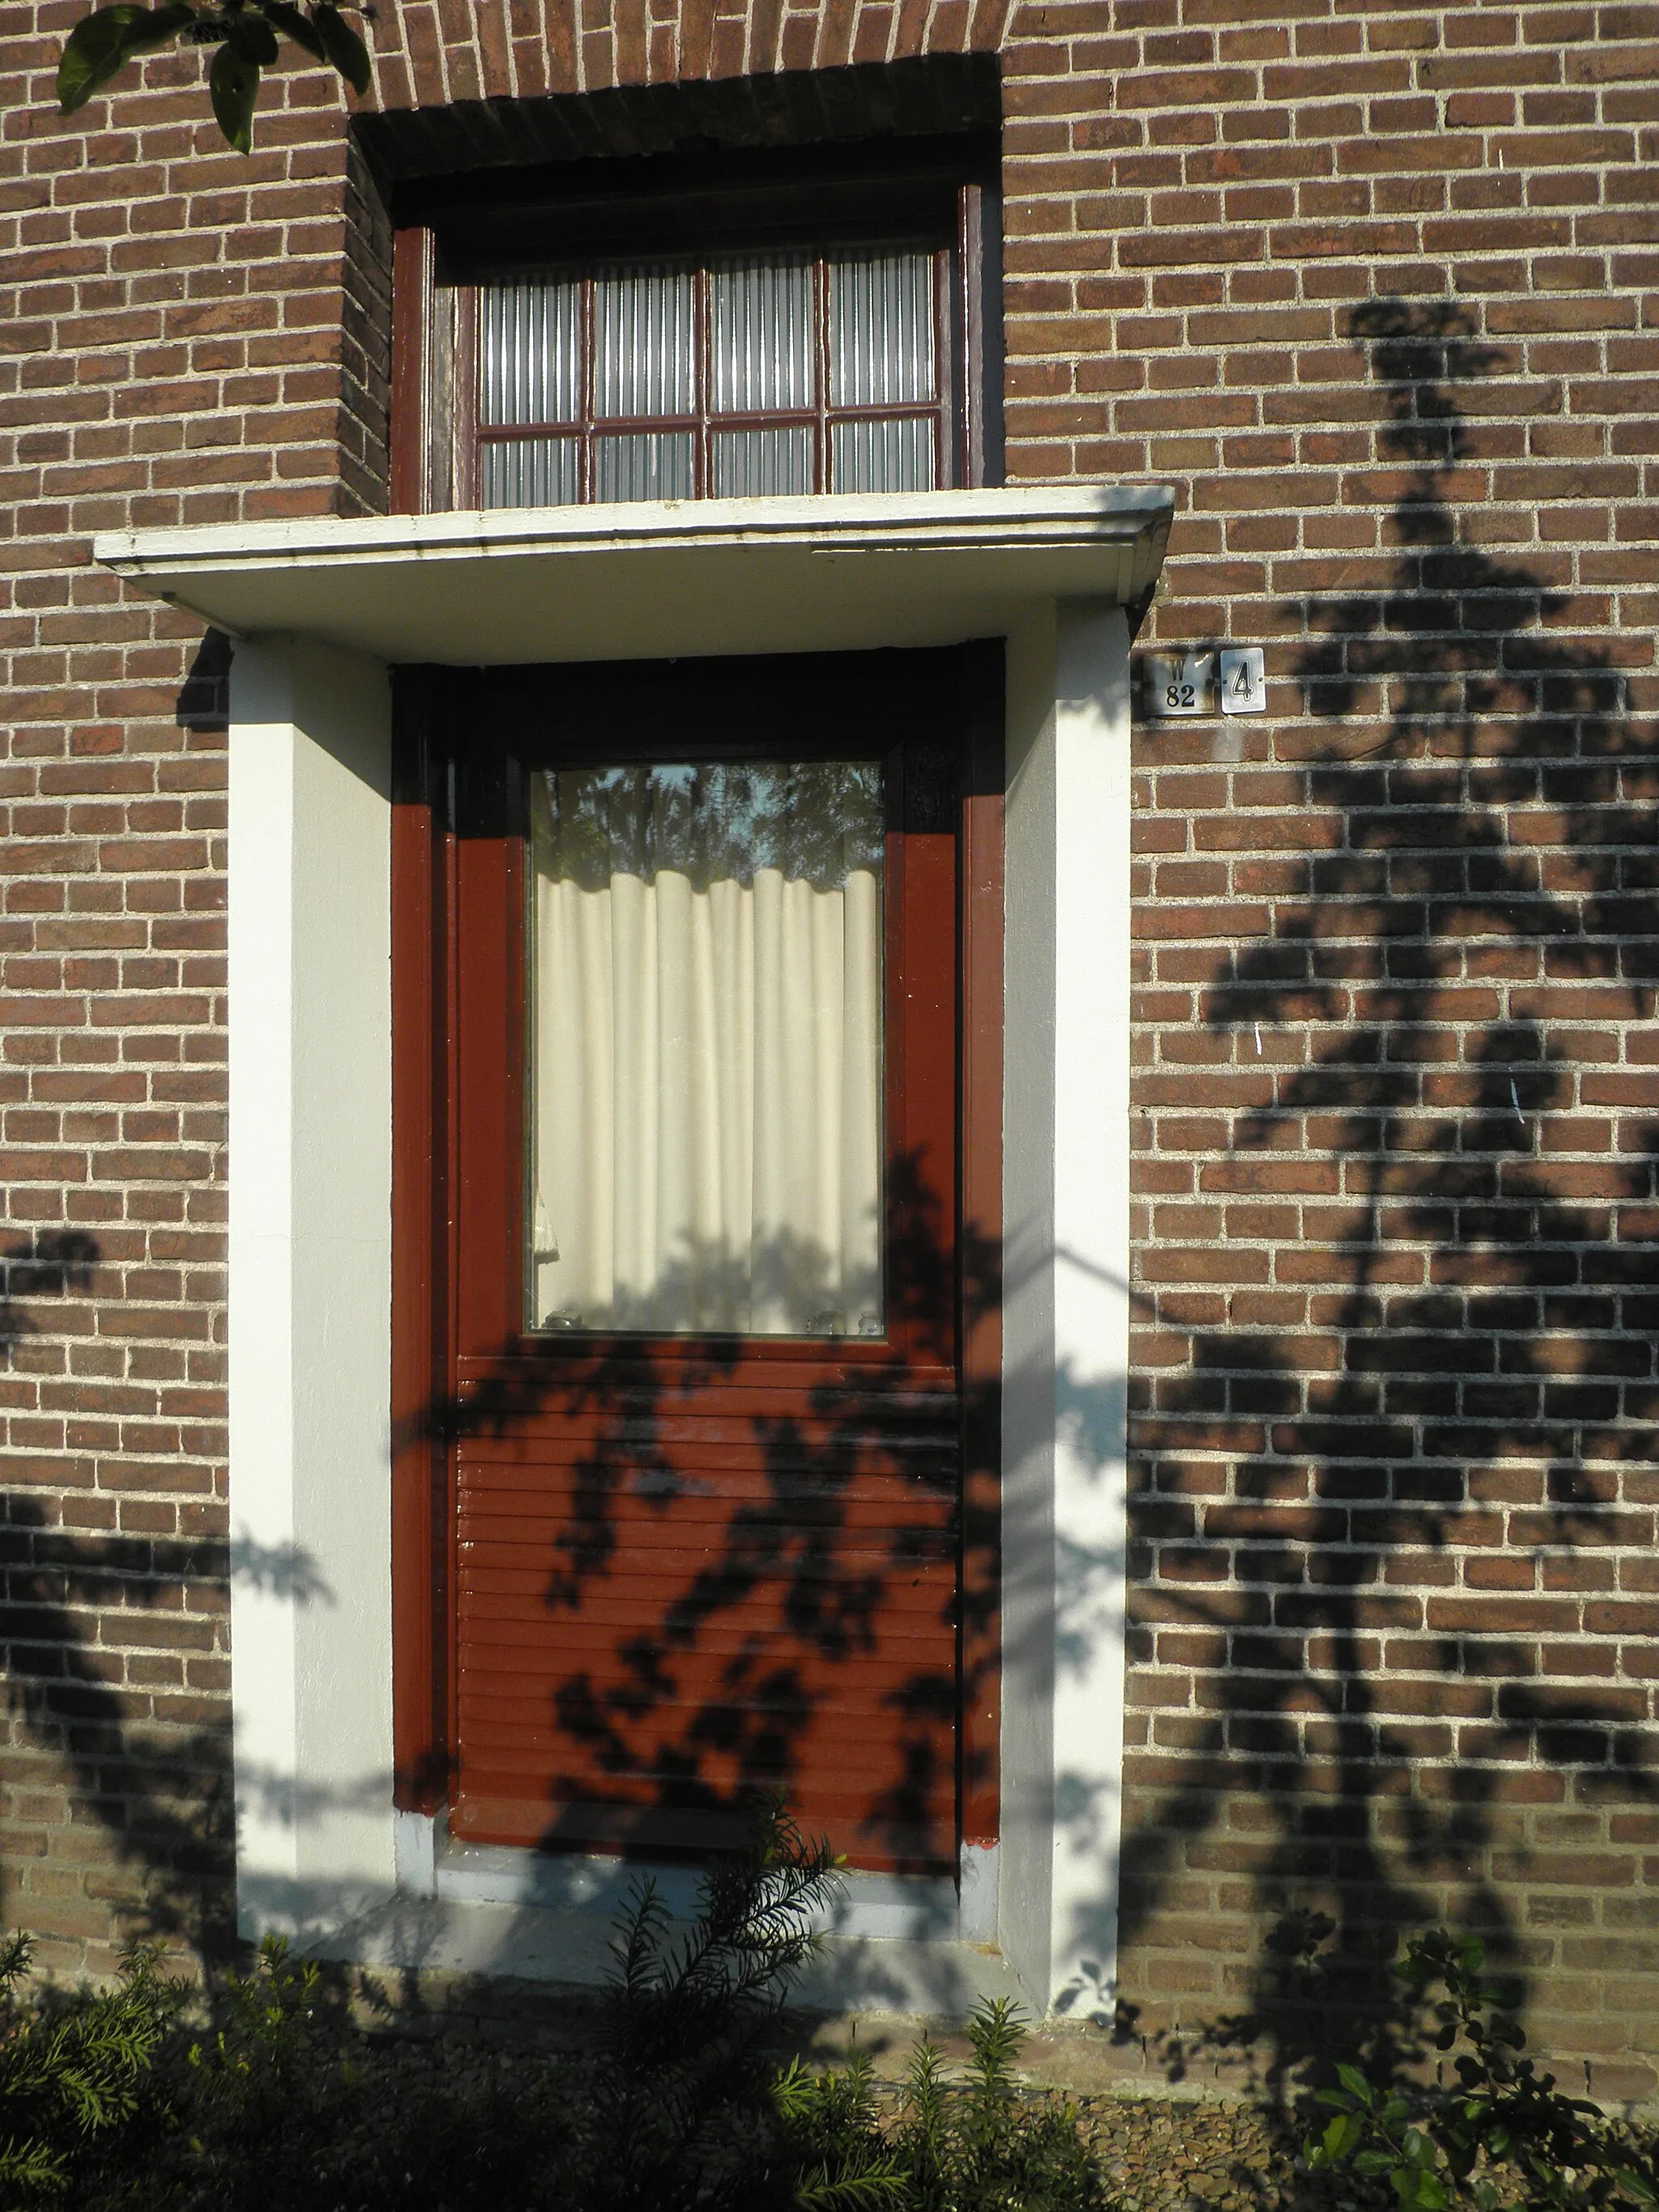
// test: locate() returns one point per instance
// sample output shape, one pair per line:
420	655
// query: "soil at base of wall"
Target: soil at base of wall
1169	2153
1156	2153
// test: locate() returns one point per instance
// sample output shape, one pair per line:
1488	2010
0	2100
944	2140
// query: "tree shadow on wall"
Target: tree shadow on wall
47	1264
1372	1529
156	1784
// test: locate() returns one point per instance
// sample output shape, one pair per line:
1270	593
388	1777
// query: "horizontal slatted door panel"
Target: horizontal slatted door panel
675	1594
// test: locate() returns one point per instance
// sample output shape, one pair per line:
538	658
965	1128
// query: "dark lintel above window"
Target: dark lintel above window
696	325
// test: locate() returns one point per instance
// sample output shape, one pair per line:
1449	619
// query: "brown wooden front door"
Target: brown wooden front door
693	1537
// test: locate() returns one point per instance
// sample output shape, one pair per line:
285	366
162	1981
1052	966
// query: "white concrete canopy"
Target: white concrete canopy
660	580
320	610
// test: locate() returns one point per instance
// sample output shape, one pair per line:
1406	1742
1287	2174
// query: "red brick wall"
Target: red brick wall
1380	291
1376	289
171	351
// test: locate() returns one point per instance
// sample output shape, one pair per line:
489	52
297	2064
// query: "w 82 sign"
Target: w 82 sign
1178	683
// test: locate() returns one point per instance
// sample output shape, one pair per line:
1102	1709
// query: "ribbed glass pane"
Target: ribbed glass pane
529	366
882	456
881	329
749	464
644	355
530	472
762	334
649	465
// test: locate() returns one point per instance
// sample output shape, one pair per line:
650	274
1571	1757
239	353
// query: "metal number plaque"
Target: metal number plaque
1243	682
1178	683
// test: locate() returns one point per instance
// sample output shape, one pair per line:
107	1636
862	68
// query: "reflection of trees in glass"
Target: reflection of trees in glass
712	821
780	1283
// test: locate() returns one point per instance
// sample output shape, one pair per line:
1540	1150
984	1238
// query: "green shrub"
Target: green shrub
276	2109
676	2112
1505	2139
974	2147
74	2071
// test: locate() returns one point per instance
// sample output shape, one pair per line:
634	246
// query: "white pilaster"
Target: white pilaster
310	1276
1066	1309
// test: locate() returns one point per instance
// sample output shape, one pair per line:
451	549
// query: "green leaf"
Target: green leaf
342	47
233	83
252	36
294	24
1355	2083
1342	2134
1373	2161
102	42
156	25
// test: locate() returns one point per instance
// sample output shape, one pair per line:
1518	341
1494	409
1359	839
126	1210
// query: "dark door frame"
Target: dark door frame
966	686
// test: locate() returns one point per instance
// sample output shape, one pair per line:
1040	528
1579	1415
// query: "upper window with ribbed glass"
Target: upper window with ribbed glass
733	376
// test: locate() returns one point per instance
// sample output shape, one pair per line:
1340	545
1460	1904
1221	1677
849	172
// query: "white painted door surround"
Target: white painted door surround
321	610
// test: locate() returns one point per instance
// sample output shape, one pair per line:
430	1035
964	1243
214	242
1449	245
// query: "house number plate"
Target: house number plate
1179	683
1243	682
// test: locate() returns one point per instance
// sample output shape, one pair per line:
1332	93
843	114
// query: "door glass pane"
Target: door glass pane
881	329
644	351
762	339
705	1116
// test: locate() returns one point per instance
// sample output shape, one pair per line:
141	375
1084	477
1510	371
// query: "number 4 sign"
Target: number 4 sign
1243	682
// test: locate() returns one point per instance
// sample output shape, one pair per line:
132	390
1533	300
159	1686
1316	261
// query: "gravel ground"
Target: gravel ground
1163	2155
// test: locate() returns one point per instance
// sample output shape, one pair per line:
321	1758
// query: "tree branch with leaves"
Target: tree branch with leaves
247	33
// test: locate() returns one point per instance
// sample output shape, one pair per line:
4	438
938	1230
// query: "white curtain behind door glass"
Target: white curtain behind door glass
706	1132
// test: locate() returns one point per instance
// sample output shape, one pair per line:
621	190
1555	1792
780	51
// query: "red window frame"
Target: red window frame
701	421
